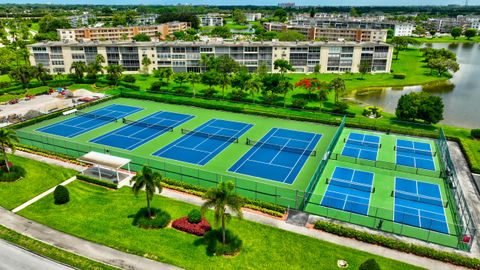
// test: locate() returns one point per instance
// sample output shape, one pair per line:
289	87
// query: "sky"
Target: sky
251	2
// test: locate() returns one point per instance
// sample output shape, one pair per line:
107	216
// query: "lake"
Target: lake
461	94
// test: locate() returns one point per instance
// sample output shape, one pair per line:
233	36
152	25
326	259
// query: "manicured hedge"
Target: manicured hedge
97	181
45	153
475	133
399	76
398	245
61	195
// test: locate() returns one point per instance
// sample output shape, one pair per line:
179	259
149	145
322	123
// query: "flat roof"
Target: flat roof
207	43
104	160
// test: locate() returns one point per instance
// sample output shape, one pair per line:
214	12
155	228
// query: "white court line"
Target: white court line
276	165
299	158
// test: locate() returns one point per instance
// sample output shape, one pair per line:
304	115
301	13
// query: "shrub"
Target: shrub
400	76
208	92
129	78
180	90
199	228
238	95
374	111
194	216
157	86
159	220
97	181
61	195
213	241
16	172
369	264
398	245
475	133
299	103
340	107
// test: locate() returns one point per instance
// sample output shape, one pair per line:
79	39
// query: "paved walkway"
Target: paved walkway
78	246
52	161
124	260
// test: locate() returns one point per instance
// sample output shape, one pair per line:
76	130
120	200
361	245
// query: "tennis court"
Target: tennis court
349	190
136	133
414	154
278	156
85	122
419	204
363	146
199	146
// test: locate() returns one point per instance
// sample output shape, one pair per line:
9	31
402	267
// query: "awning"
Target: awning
104	160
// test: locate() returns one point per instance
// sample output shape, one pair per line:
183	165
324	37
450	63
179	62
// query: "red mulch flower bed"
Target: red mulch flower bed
199	229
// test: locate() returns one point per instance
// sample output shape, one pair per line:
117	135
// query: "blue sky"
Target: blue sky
251	2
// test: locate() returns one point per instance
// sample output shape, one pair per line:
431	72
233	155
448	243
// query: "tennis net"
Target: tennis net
414	151
282	147
210	135
419	198
350	184
96	116
363	143
147	125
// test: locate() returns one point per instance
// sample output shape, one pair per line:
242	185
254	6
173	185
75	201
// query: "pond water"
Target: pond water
461	94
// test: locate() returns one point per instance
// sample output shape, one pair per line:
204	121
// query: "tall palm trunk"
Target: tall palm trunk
5	157
223	227
148	207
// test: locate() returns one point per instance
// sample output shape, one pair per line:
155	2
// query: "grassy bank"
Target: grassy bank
93	212
448	39
51	252
39	178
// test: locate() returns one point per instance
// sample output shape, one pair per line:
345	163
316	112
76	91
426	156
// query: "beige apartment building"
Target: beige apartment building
331	34
333	57
121	33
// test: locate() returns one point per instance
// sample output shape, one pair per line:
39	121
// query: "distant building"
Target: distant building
211	19
146	19
251	17
121	33
80	20
286	5
403	29
332	57
475	25
445	25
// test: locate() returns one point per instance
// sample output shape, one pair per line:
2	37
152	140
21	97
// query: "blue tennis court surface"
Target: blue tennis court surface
88	121
141	131
205	142
419	204
349	190
414	154
362	146
278	156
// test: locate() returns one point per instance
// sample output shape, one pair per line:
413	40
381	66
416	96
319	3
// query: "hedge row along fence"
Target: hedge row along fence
97	181
443	256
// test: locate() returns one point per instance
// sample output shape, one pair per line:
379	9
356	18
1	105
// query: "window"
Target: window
206	49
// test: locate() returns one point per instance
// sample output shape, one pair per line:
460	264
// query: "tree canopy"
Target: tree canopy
420	105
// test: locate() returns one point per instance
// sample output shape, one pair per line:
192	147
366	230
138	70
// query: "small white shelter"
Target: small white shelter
107	164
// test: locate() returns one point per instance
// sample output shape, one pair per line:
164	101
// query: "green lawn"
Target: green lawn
448	39
39	178
51	252
105	216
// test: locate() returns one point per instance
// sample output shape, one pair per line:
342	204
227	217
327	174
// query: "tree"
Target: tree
6	59
421	105
166	73
281	15
41	73
442	65
241	79
262	69
470	32
369	264
238	16
431	53
141	37
194	78
316	70
314	85
285	87
291	35
419	30
8	139
22	74
283	65
364	67
456	32
78	68
146	62
99	61
338	86
180	77
114	72
254	84
354	12
226	66
401	43
210	78
221	31
150	181
223	199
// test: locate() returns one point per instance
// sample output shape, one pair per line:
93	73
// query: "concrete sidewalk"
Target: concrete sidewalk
78	246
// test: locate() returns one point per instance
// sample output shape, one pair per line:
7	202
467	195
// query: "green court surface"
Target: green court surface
212	172
381	202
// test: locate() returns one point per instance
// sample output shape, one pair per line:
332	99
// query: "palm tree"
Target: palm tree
194	79
41	73
253	85
285	86
338	85
78	68
222	198
146	62
8	138
149	180
114	72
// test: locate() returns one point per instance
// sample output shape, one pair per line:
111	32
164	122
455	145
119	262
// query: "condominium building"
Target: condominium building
331	34
332	57
80	20
251	17
146	19
121	33
211	19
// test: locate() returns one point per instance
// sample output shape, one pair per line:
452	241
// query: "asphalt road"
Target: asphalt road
15	258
